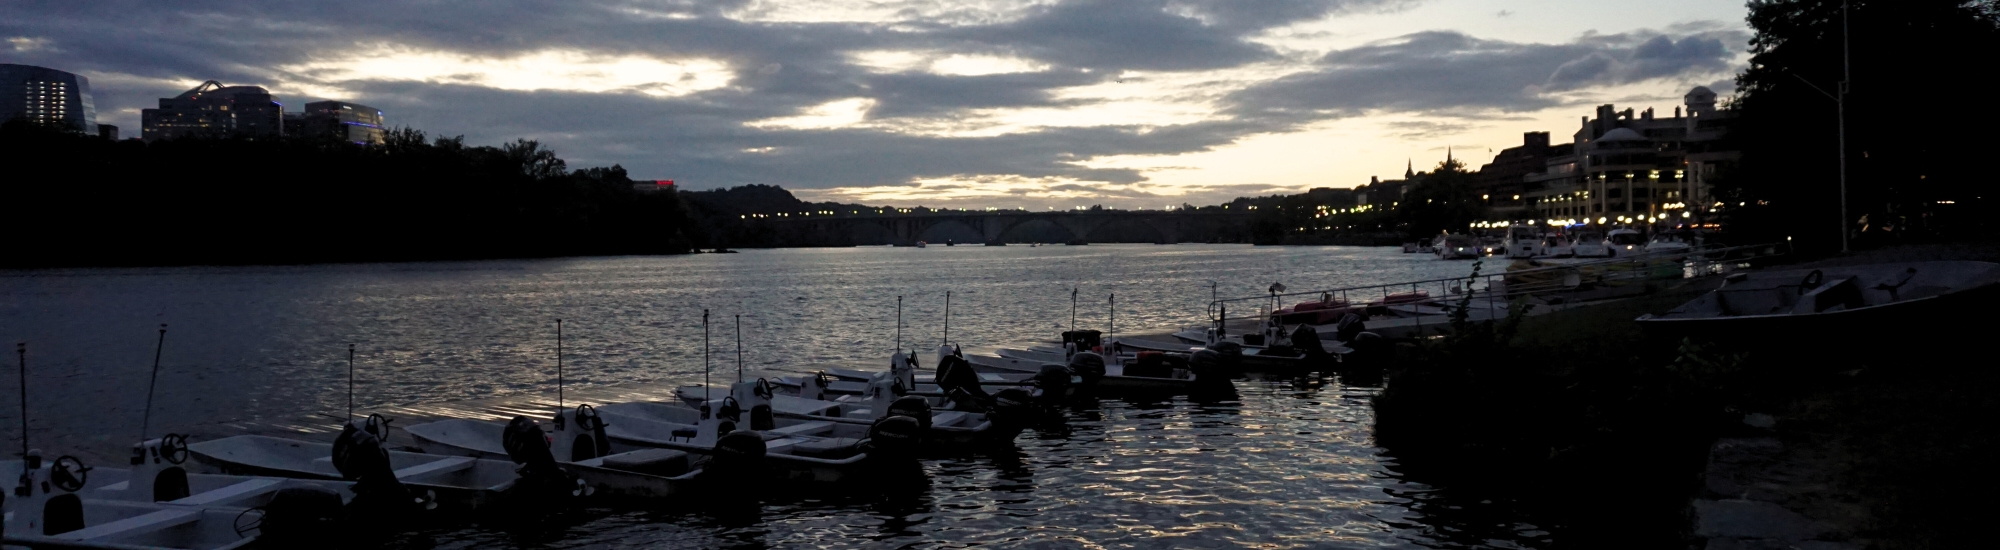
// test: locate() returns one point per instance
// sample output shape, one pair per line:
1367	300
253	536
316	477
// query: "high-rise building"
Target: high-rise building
349	122
46	96
214	110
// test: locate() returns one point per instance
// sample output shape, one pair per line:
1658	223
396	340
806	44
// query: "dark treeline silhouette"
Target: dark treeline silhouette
76	200
1916	153
720	212
1442	199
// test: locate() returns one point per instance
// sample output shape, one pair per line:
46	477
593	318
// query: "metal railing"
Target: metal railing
1417	305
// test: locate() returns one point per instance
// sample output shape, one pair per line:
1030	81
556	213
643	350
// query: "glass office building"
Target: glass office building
46	96
354	123
213	110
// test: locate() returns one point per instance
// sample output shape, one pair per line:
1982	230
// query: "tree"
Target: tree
1445	199
1910	153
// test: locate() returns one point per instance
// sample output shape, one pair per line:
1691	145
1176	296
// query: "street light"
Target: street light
1840	106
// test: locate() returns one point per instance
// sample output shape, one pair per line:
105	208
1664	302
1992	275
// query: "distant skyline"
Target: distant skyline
1004	103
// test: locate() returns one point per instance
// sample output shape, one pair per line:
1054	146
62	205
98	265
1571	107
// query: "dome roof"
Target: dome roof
1701	90
1620	134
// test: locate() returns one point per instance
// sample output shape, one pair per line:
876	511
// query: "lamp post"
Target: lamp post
1839	98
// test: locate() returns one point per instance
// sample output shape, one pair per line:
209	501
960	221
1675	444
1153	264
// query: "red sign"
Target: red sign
664	183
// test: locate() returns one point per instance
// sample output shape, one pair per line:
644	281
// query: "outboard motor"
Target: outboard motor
738	456
1053	382
960	383
1088	365
1305	339
586	441
1371	350
894	436
1350	325
45	501
1013	407
1229	355
378	495
156	463
1209	366
912	406
528	446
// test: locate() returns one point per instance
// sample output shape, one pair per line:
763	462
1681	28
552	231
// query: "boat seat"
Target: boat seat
784	404
1832	296
683	433
448	465
948	418
144	522
802	428
832	448
232	492
647	460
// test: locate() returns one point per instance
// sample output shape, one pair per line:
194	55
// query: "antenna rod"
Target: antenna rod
739	348
899	323
350	383
22	348
1072	308
146	421
559	367
705	366
1112	341
947	317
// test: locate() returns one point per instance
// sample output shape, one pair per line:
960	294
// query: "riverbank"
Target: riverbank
1735	444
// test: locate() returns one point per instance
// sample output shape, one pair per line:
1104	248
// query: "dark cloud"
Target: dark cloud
150	49
1433	71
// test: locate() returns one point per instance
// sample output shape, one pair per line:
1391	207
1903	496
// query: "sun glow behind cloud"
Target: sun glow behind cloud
568	70
832	114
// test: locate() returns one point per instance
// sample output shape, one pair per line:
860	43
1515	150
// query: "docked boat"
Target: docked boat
1428	246
961	415
1831	301
1672	242
643	473
1589	244
1409	248
1624	242
809	451
1458	247
1523	242
1557	245
48	509
461	483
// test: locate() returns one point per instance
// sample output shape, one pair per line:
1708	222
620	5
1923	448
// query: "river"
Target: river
1276	464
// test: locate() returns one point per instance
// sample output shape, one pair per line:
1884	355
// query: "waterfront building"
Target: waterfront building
213	110
48	97
350	122
1634	166
107	131
1382	193
1500	183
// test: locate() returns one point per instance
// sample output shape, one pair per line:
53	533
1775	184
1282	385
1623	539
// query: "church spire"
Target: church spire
1411	170
1447	154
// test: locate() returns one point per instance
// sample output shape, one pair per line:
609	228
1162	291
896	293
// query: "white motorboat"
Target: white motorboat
812	451
1672	242
1095	371
1409	248
1590	244
962	414
1624	242
461	483
643	473
1458	247
1557	245
47	509
1832	301
1428	246
1523	242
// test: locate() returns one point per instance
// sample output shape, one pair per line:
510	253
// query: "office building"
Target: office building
48	97
212	110
354	123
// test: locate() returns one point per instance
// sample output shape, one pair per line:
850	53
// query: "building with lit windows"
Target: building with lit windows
212	110
350	122
1634	167
48	97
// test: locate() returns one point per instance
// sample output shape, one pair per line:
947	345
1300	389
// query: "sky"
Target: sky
966	104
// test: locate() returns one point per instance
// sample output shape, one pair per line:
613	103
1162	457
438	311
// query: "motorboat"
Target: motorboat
1427	246
1557	245
577	443
48	508
1831	301
1492	245
1458	247
961	413
1672	242
1624	242
1409	248
1590	244
1523	242
820	451
462	483
1111	380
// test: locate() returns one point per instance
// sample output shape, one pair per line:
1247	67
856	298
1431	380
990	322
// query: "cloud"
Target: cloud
969	98
1441	70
